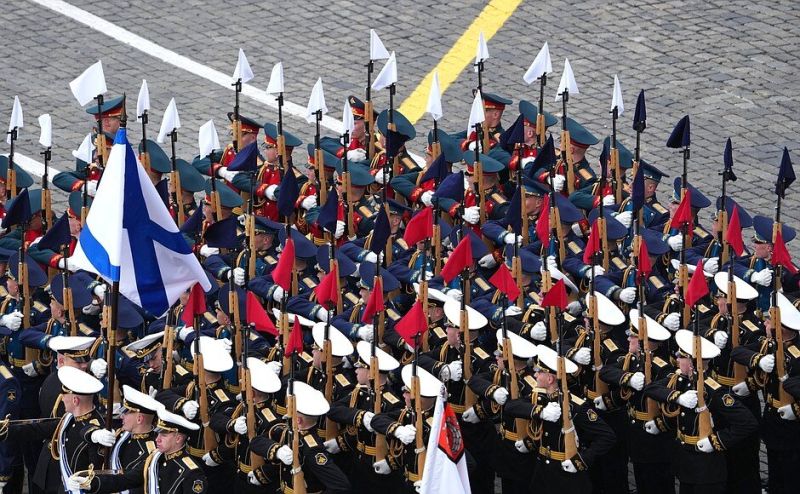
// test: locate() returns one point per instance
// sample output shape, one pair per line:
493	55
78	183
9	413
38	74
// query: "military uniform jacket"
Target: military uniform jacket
131	451
10	394
177	473
349	411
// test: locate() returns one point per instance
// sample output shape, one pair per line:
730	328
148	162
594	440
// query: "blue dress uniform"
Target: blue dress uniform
11	469
220	265
73	180
589	197
351	319
654	214
585	177
264	286
699	237
713	247
410	185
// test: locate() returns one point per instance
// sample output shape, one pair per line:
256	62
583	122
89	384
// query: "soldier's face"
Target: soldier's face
493	117
56	309
762	250
722	304
650	187
248	138
686	366
633	343
156	362
578	153
545	379
362	375
111	124
358	130
435	313
74	226
530	133
130	419
12	287
270	153
167	442
453	336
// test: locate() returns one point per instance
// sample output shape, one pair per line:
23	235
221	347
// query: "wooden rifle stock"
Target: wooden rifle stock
521	425
739	370
419	424
256	460
323	182
780	359
169	362
381	446
469	395
175	178
251	238
722	219
351	227
209	438
481	191
540	130
568	429
600	386
651	405
601	230
30	353
566	158
298	478
617	174
331	427
486	138
369	116
704	428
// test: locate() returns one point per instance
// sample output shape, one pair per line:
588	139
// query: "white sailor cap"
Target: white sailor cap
386	362
309	401
790	316
607	311
136	401
76	347
341	346
547	360
655	331
475	320
215	357
172	422
145	345
744	290
685	340
262	377
437	296
74	380
305	322
429	386
520	347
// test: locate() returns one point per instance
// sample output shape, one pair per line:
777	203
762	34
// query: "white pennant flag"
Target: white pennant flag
46	124
16	118
476	114
170	122
616	100
90	84
446	464
316	102
275	86
242	70
348	122
434	106
143	101
207	138
541	65
482	51
85	150
387	75
376	49
567	81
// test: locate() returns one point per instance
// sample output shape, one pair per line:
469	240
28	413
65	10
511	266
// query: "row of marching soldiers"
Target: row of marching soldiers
577	323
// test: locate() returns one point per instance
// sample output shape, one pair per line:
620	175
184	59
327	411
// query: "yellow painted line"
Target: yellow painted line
460	55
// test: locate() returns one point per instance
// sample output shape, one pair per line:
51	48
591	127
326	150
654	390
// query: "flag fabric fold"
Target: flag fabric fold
412	324
460	258
780	255
375	304
257	316
420	227
195	305
503	281
734	234
556	296
698	286
282	274
295	343
327	292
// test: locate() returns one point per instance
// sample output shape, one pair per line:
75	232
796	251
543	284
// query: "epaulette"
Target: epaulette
568	317
309	282
181	370
189	463
530	380
576	400
5	372
3	291
656	282
402	243
310	441
711	383
619	263
610	345
585	174
498	198
270	260
750	325
342	380
366	212
658	208
389	397
574	247
703	308
439	332
482	284
211	318
352	297
658	361
481	353
221	395
266	412
699	232
793	350
39	307
85	330
393	315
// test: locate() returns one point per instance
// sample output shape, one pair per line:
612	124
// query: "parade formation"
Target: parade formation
273	315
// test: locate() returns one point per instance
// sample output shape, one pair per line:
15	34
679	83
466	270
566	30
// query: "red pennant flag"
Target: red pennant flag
592	245
257	316
683	215
504	282
375	302
734	234
543	222
326	290
698	287
645	267
419	227
195	306
458	260
556	296
780	255
412	324
282	274
295	339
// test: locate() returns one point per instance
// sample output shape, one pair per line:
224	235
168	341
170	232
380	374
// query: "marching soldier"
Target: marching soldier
137	438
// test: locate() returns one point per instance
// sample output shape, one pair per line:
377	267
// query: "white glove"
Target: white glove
720	339
382	467
608	199
332	447
470	416
456	370
574	308
226	174
366	332
625	217
91	309
637	381
340	226
12	321
767	363
583	356
600	404
511	239
763	277
209	461
285	454
357	154
116	410
77	482
628	294
227	344
240	425
675	242
380	177
100	291
539	331
99	367
500	396
577	230
513	310
367	421
406	433
672	321
270	192
251	477
558	182
426	198
567	465
787	413
551	263
371	257
275	367
322	314
520	445
207	251
184	332
705	446
91	187
103	437
551	412
190	409
238	276
309	202
741	389
688	399
472	215
487	261
711	265
598	271
30	370
651	428
418	486
454	293
278	293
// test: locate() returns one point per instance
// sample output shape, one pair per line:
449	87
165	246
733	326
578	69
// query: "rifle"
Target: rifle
320	162
47	201
423	289
616	168
651	405
600	386
566	145
601	218
478	167
483	139
381	446
520	425
25	293
167	345
704	427
70	324
346	192
516	263
175	178
250	226
739	370
570	437
683	270
209	438
540	120
469	396
418	419
298	478
436	146
100	139
11	173
237	123
144	156
331	427
722	213
283	159
369	115
774	311
256	460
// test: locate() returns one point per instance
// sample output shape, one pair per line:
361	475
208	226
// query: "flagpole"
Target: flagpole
651	407
369	116
775	311
566	145
540	120
11	174
237	123
722	213
469	396
319	159
381	446
348	209
144	156
100	141
177	195
616	169
282	157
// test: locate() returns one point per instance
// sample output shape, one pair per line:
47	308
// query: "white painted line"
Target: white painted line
181	62
33	167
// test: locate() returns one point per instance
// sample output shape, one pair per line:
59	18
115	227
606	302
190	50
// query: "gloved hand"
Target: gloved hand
513	310
500	396
625	217
332	447
608	199
406	433
340	226
574	308
116	410
558	182
456	370
688	399
207	251
720	339
627	294
787	413
309	202
77	482
240	425
367	421
227	344
675	242
651	428
704	445
270	192
91	309
91	188
763	277
99	291
583	356
30	369
285	454
600	404
551	412
568	466
577	230
539	331
487	261
366	332
371	257
322	314
470	416
636	381
418	486
454	293
380	177
99	368
357	154
382	467
711	265
238	275
275	367
598	271
767	363
103	437
190	409
520	445
672	321
184	332
511	239
12	321
278	293
472	215
426	198
209	461
741	389
226	174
